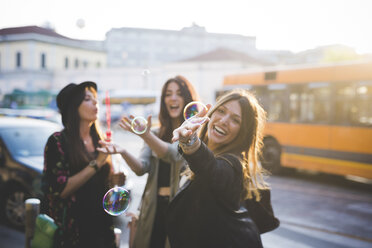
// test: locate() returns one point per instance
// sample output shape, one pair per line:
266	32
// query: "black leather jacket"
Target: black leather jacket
205	212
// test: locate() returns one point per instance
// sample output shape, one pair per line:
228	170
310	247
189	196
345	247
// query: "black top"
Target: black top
89	207
201	214
163	174
83	207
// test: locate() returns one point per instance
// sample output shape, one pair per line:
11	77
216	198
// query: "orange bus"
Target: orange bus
319	117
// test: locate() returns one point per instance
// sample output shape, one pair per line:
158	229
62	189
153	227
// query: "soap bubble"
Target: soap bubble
139	125
192	109
80	23
116	201
145	72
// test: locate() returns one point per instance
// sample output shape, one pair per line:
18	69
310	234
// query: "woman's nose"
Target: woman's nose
225	119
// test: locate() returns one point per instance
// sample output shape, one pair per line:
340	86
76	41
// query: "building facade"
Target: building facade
148	47
30	56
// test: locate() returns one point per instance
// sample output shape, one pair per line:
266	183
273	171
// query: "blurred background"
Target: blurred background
308	62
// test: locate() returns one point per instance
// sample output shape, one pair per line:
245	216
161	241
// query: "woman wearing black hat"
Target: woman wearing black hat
76	175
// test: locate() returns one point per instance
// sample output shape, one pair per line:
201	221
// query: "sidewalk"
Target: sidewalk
11	238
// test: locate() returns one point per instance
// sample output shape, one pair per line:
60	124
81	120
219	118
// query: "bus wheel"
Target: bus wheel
271	156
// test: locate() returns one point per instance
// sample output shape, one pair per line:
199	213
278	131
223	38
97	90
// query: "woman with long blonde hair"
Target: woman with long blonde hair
223	161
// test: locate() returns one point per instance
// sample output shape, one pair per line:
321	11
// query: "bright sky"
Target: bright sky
294	25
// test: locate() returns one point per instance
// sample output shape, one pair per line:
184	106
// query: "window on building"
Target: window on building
76	63
18	60
66	63
43	61
98	64
85	64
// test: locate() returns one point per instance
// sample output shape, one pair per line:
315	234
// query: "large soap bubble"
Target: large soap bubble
116	201
139	125
192	109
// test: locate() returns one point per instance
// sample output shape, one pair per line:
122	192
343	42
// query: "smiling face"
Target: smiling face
88	109
173	100
224	124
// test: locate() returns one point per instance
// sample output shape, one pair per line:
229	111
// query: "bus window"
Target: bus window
260	93
294	107
295	103
344	104
277	104
363	103
306	113
315	104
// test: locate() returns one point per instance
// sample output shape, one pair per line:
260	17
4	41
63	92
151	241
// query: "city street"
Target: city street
314	210
291	77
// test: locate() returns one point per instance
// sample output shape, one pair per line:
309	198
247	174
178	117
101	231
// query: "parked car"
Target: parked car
22	143
35	113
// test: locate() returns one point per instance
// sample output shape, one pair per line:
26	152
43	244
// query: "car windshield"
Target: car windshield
26	141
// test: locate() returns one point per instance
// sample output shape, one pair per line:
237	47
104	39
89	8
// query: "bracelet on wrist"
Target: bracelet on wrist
191	141
190	144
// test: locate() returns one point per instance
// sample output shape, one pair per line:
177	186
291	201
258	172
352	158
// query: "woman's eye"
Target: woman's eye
236	121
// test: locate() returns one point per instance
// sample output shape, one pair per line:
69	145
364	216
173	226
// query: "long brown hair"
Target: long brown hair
78	156
187	92
248	142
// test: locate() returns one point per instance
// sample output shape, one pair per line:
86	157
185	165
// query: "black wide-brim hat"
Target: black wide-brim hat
67	95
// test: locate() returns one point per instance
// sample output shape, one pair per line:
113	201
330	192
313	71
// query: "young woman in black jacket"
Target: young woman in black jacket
224	171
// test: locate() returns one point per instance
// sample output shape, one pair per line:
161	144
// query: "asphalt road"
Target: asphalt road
314	210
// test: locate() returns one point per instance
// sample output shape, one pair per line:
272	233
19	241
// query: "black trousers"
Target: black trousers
158	236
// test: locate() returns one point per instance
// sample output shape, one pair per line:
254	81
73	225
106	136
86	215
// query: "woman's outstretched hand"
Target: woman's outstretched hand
126	124
109	148
190	126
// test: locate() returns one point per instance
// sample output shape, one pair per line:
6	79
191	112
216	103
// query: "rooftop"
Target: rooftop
225	54
31	29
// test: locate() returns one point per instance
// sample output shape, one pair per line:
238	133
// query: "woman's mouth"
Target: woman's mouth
174	107
219	131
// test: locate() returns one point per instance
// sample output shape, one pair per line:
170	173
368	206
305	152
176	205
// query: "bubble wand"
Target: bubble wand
108	118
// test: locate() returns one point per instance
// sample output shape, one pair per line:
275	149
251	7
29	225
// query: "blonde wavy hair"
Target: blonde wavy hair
248	143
